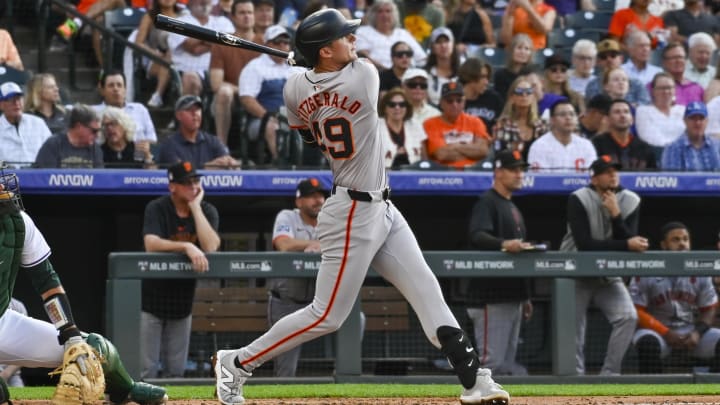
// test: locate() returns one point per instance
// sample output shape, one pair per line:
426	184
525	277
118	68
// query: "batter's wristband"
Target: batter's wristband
701	327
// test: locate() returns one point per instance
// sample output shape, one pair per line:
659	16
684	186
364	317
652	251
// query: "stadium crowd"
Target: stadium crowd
468	79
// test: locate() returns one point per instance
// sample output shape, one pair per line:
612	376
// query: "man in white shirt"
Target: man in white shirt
191	56
113	91
638	65
562	149
21	135
700	49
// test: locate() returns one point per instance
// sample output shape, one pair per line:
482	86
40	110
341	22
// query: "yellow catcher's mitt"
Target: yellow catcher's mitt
81	376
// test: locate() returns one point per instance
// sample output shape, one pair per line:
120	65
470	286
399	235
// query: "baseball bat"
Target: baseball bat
170	24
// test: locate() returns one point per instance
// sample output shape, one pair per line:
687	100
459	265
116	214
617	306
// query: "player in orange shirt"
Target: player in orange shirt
455	138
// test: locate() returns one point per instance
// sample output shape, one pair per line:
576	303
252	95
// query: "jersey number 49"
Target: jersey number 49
335	137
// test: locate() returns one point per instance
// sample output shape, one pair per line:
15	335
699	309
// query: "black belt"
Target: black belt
363	195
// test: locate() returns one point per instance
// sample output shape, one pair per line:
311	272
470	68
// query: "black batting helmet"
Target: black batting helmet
319	29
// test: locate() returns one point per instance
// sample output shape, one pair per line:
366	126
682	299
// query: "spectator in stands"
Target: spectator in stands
498	306
118	146
222	8
181	222
43	100
401	54
661	122
261	89
294	231
113	91
562	149
609	57
675	313
713	125
616	84
9	55
604	216
442	63
420	18
637	17
519	57
78	147
701	47
190	143
713	88
620	144
594	120
480	100
191	56
415	84
226	63
534	18
584	55
382	30
264	16
404	139
93	9
638	66
21	135
455	138
556	81
545	99
11	373
565	8
695	150
156	41
472	27
689	20
519	124
674	62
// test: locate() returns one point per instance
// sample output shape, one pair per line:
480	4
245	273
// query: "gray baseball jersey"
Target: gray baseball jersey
340	109
288	223
674	301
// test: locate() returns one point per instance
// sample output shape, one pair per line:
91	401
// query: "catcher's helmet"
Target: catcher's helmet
319	29
10	199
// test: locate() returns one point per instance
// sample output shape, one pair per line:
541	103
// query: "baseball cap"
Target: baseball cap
450	88
413	73
602	164
608	45
440	31
180	172
309	186
509	159
10	89
187	101
274	31
696	108
556	59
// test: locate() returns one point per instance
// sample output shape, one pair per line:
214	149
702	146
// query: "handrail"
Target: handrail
64	6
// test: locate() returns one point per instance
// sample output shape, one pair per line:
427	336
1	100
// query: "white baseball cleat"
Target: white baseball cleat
229	379
485	391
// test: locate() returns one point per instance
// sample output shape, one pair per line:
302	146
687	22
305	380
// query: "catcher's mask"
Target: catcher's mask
10	199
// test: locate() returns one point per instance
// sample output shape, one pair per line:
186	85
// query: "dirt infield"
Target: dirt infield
615	400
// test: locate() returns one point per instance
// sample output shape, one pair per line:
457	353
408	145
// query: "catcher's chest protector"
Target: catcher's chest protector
12	237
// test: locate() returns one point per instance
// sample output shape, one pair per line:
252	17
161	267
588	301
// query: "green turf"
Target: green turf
406	390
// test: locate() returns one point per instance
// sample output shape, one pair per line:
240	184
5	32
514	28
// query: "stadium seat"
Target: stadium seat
588	20
605	5
566	38
494	56
540	55
122	21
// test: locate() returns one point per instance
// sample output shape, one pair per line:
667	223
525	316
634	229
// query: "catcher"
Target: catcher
88	363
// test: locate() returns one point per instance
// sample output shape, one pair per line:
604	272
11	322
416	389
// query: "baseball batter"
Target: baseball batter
675	312
334	107
30	342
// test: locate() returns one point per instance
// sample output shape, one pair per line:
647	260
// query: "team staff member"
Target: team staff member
334	106
455	138
497	306
675	313
604	216
295	231
30	342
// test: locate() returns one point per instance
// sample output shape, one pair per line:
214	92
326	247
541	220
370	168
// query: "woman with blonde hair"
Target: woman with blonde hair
519	124
556	81
43	100
404	139
119	150
519	56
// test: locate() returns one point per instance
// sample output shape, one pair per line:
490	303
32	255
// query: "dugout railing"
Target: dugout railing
127	269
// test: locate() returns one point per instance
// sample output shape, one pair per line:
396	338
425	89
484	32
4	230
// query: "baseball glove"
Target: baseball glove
81	376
